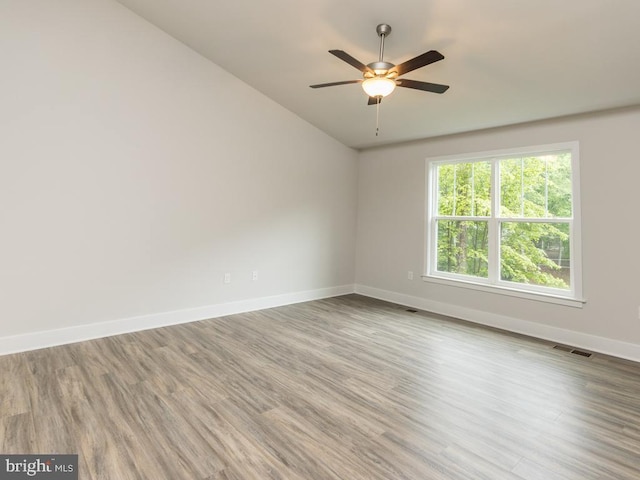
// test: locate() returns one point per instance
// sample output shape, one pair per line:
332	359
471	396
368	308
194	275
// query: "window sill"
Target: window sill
511	292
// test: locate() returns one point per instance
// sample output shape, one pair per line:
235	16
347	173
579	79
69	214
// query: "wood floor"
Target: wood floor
345	388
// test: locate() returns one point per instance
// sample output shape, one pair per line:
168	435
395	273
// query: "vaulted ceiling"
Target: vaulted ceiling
506	61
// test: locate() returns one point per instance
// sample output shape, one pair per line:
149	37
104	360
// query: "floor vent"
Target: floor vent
411	310
575	351
581	353
564	348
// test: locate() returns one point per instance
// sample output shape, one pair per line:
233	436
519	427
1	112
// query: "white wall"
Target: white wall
391	237
134	173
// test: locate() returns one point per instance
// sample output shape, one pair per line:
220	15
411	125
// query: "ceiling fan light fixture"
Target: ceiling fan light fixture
378	86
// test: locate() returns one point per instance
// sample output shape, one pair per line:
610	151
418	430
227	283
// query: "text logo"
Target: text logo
42	467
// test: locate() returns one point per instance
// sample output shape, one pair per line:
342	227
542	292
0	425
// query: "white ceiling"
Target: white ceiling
507	61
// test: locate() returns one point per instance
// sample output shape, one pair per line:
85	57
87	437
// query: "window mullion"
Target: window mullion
455	189
494	225
473	189
522	187
432	226
546	187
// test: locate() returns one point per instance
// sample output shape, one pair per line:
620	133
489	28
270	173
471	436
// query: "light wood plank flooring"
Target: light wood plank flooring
345	388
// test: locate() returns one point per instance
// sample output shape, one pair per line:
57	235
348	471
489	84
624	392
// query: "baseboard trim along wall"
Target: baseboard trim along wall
62	336
585	341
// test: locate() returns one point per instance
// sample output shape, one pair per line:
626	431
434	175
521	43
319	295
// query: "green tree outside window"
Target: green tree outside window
533	212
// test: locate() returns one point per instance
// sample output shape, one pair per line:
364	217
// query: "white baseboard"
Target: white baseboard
62	336
608	346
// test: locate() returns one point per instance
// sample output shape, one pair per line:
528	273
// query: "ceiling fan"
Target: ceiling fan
381	78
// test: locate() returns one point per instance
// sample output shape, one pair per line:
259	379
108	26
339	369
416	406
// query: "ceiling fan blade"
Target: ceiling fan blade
332	84
420	61
427	87
374	100
344	56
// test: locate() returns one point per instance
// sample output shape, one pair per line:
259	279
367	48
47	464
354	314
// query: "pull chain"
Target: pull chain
377	115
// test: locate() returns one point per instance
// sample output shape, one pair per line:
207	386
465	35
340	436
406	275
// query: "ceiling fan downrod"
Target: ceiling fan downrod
381	66
383	30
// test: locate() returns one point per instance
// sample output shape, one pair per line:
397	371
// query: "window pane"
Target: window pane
559	196
446	195
464	189
510	191
536	187
463	247
482	189
535	253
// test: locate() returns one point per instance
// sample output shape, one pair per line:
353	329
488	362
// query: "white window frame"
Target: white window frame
493	284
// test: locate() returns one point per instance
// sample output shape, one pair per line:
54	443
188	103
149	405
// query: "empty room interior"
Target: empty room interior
423	267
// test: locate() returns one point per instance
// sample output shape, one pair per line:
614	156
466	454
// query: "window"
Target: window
507	221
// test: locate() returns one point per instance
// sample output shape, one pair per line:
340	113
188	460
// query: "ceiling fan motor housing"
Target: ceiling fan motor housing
380	68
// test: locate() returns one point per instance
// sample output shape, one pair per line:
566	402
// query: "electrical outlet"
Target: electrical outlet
410	275
254	276
227	278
